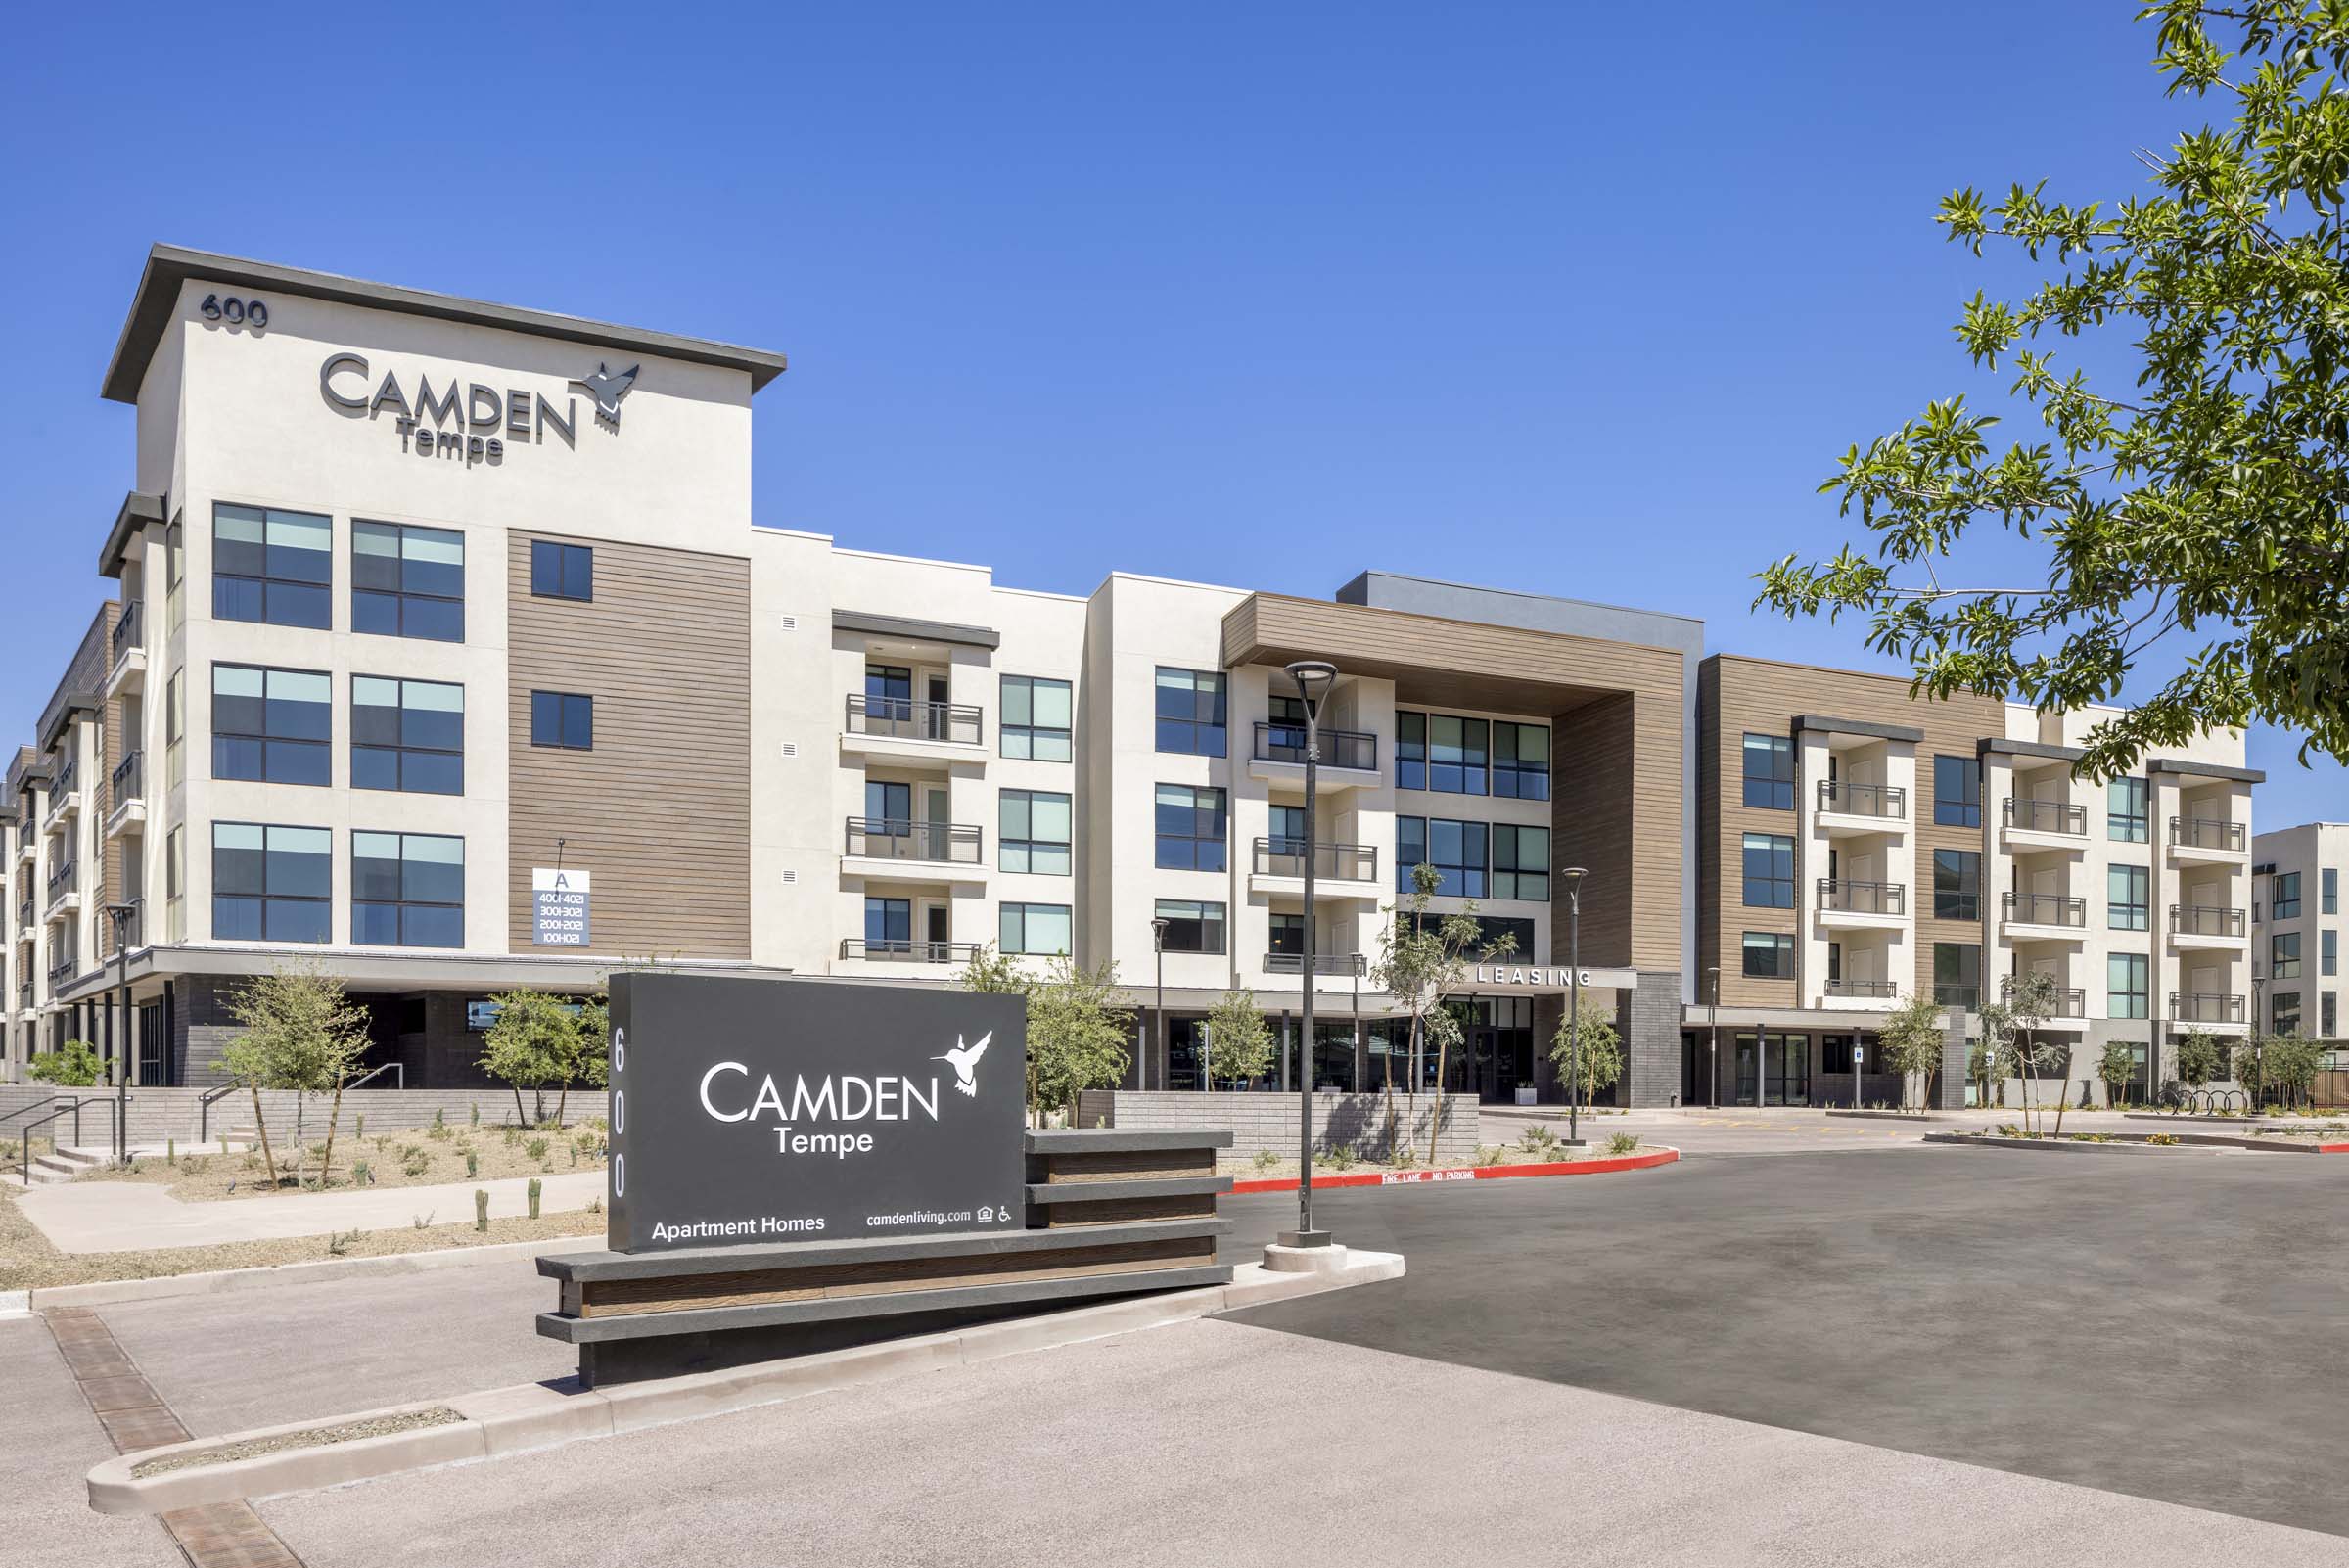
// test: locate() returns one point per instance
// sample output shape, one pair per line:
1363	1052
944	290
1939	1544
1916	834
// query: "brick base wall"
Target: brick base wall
1268	1122
158	1114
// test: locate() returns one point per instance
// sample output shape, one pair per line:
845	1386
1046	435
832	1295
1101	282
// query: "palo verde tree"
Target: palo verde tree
1239	1043
1598	1063
1911	1043
2199	1059
2197	500
1078	1032
2116	1066
301	1032
538	1041
1423	957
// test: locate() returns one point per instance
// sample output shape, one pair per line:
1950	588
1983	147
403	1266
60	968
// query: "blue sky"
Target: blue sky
1582	301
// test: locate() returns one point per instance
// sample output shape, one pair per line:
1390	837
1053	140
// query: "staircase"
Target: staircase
62	1164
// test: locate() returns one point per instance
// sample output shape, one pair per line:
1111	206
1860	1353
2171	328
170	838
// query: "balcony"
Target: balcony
2202	925
125	796
2206	1007
1845	807
25	913
65	892
61	970
64	794
28	841
900	726
906	951
2044	914
1324	963
923	852
1349	757
2206	840
2043	824
1866	993
1842	902
126	667
1340	870
2069	1001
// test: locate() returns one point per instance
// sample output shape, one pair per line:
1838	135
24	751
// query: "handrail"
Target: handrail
1845	896
1884	801
1280	740
1284	856
2068	910
2206	833
907	950
203	1110
28	1110
903	838
24	1152
2205	920
401	1068
911	719
2069	817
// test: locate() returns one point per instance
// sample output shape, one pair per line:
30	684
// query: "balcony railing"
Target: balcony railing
1968	998
2205	920
127	632
124	784
2206	833
2047	816
2206	1007
2070	1001
906	951
896	838
1279	742
25	912
62	880
1324	963
1863	897
903	718
1863	800
24	996
62	969
1335	862
61	788
2043	909
1878	988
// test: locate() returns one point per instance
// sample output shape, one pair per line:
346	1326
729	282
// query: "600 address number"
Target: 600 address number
234	312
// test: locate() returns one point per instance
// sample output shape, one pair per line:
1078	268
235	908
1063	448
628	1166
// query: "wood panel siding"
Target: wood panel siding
659	810
1737	697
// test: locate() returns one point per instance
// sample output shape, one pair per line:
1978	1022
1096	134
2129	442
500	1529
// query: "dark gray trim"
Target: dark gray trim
768	1257
2003	747
1047	1194
64	705
168	267
137	510
1109	1140
915	630
1855	726
2180	764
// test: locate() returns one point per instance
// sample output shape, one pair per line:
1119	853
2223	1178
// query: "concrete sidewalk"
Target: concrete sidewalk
136	1215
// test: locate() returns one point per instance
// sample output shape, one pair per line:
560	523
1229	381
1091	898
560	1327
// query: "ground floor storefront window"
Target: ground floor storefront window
1777	1065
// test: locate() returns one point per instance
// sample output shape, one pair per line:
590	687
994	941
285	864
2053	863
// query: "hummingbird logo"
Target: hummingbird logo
963	1058
608	389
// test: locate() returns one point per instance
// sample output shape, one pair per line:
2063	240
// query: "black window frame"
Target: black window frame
1210	837
1962	901
2126	823
564	712
2283	955
1468	770
1025	907
562	565
403	746
2279	907
1026	844
1410	750
1965	807
269	901
1781	945
1029	732
401	595
1206	729
2134	914
1775	846
2134	1000
1470	875
320	748
1515	880
1517	776
401	904
271	582
1774	783
1191	928
1966	956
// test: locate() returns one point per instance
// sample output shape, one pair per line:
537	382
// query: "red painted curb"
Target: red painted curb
1477	1172
2332	1148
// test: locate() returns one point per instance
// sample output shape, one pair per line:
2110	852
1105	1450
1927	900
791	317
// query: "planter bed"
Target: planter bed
1601	1164
2115	1143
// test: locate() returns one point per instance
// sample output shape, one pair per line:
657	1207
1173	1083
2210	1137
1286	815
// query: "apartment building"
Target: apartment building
2296	929
1857	845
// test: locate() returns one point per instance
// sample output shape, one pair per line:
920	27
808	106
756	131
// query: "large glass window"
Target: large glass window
175	729
2284	896
1411	750
563	719
271	884
1191	828
2127	985
2329	883
1192	925
1520	761
407	890
562	571
1957	884
2283	955
2328	1014
1036	719
1957	792
2329	951
888	926
1458	753
1958	974
272	566
407	735
408	581
2126	820
1041	929
1460	851
1769	871
2125	897
1517	929
1032	830
2284	1013
1770	773
1191	712
1768	954
1520	863
274	725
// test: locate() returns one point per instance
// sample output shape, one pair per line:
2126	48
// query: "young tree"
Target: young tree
300	1033
2030	1002
1911	1043
75	1064
2198	1058
536	1041
996	973
2195	502
1077	1032
2290	1066
1422	960
2116	1066
2250	1058
1239	1043
1598	1062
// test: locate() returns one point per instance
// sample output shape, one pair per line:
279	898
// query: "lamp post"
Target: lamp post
1158	946
120	915
1313	679
1713	1046
1574	999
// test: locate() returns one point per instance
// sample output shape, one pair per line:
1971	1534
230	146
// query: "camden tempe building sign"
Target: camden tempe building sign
469	423
749	1111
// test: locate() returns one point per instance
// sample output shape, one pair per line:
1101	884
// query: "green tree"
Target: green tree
2249	1059
2011	1036
1910	1042
1239	1043
75	1064
536	1043
2198	1058
2116	1066
1078	1032
1599	1061
2198	499
301	1032
995	973
2290	1067
1422	960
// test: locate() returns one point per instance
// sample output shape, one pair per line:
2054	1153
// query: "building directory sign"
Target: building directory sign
754	1111
559	901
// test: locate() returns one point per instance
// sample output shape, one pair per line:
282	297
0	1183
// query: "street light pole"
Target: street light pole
120	915
1313	679
1158	944
1713	1046
1574	997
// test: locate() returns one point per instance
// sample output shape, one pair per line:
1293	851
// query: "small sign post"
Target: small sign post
559	898
1859	1051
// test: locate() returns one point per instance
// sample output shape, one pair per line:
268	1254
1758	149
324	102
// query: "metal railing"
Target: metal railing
2206	833
127	632
203	1110
62	880
1863	800
60	788
24	996
1324	963
72	1107
905	718
2071	1001
124	783
1277	741
2205	920
1968	998
2043	909
1880	989
1339	862
2206	1006
397	1070
1863	897
2047	816
898	838
64	968
24	911
906	951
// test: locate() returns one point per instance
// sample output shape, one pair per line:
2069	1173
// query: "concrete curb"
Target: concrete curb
1890	1116
14	1304
539	1416
1466	1173
318	1271
2063	1145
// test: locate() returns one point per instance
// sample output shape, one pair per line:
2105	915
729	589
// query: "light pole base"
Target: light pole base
1321	1257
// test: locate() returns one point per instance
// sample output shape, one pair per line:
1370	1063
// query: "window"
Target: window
1036	928
2328	1018
175	882
1190	712
563	719
888	926
2125	897
1957	792
1190	828
407	735
1521	862
1957	884
2126	985
562	571
1770	955
1491	929
274	725
1288	934
1192	926
175	728
1032	826
1770	773
271	884
1457	753
2283	955
1411	750
2329	882
2283	1014
1958	974
1520	761
408	581
2125	813
1036	719
407	890
2329	951
175	571
2284	896
270	566
1769	871
1457	850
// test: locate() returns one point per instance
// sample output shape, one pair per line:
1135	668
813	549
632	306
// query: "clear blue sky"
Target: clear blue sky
1580	300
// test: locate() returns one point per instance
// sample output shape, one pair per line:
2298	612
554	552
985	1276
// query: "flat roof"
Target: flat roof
171	265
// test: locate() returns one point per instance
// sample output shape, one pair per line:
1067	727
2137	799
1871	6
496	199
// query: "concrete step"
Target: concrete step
47	1169
84	1158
